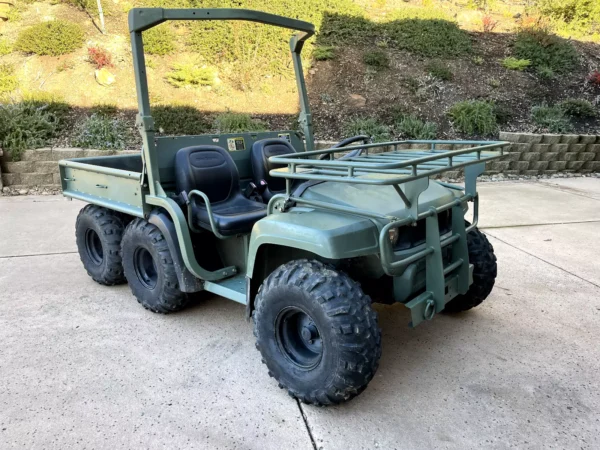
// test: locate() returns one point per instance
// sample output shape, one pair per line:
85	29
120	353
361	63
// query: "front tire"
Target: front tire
149	268
485	270
316	332
98	232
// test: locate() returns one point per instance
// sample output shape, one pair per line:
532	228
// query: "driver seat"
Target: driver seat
210	169
261	152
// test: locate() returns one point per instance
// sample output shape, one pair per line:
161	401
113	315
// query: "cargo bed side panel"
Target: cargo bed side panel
115	189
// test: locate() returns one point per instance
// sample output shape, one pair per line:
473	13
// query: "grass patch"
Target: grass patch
191	75
8	80
324	52
440	71
159	40
179	120
231	122
25	126
414	128
103	133
369	126
551	118
577	107
376	59
53	38
545	51
473	117
5	47
513	63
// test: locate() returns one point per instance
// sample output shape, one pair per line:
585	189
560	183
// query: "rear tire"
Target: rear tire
149	268
481	255
316	332
98	232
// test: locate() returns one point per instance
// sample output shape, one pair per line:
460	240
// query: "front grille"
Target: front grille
413	236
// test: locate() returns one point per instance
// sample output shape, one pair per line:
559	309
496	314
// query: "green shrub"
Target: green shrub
103	132
324	52
25	126
473	117
231	122
572	17
369	126
414	128
513	63
51	103
188	75
432	38
179	120
251	47
440	71
54	38
159	40
5	47
8	79
545	73
546	50
578	107
377	59
550	118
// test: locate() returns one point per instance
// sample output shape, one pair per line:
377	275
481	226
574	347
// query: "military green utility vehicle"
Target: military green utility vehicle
306	239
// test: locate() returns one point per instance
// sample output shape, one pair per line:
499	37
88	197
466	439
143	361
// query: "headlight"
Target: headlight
394	234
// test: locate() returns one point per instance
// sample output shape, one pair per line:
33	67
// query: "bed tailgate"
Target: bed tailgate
112	188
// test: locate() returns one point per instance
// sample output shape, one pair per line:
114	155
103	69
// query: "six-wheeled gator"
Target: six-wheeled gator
306	239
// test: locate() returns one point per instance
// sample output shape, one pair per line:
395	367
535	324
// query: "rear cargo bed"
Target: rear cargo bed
109	181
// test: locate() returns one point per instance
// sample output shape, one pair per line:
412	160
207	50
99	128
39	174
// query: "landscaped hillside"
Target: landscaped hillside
389	68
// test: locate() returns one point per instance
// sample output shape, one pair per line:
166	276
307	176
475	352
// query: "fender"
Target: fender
187	281
330	235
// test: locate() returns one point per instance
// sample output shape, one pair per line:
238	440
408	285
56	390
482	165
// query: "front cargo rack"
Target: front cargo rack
407	169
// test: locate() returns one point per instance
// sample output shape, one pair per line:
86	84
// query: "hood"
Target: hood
380	199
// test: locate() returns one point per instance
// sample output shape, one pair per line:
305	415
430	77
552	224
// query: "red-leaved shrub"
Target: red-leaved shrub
489	24
594	77
99	57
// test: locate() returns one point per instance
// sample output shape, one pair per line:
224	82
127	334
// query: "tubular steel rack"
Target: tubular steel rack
408	171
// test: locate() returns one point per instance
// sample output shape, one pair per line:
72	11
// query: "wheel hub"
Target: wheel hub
145	268
299	338
93	246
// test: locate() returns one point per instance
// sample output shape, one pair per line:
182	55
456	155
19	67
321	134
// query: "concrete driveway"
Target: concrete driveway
84	366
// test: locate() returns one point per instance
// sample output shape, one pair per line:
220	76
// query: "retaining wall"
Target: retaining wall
528	154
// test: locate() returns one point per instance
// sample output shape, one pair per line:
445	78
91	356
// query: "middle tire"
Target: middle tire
149	268
317	332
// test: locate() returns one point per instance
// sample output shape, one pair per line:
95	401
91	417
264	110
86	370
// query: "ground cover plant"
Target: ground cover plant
545	51
551	118
56	37
24	126
231	122
103	132
378	131
474	117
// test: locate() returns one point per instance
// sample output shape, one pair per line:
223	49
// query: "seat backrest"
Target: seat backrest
207	168
261	152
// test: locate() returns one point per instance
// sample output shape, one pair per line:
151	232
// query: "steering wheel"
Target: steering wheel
351	140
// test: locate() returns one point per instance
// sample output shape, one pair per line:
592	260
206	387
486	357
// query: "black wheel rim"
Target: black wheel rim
93	245
145	269
299	338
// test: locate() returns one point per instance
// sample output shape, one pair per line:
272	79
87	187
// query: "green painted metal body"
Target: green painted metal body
345	214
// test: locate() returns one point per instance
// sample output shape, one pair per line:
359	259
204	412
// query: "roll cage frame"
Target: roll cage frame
142	19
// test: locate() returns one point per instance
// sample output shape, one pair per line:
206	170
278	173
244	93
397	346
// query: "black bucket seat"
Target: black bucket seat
210	169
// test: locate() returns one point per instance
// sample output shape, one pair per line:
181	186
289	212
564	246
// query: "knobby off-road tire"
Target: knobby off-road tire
149	268
481	255
316	332
98	232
